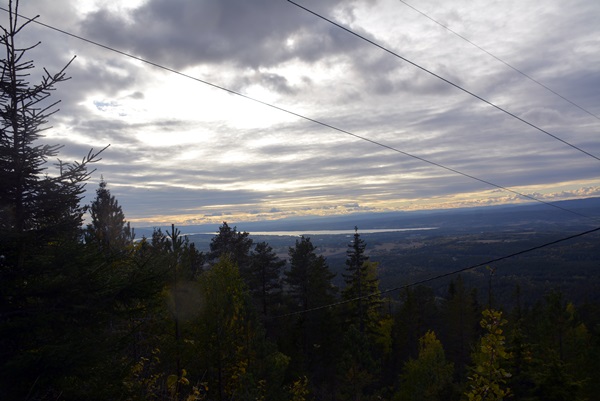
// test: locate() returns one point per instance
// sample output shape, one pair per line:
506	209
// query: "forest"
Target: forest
89	311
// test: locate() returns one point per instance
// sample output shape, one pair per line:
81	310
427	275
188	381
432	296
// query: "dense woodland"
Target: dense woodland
89	312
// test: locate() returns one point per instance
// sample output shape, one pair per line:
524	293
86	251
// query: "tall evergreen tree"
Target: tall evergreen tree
314	336
265	275
309	277
36	206
357	368
361	281
460	311
40	223
108	228
227	333
235	245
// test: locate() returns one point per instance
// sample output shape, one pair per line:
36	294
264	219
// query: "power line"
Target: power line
437	277
171	70
444	79
500	60
358	137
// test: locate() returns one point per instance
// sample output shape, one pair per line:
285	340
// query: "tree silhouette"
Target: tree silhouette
265	275
108	228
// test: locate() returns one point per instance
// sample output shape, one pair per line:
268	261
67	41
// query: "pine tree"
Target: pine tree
357	368
362	286
108	228
235	245
265	275
309	277
460	311
314	336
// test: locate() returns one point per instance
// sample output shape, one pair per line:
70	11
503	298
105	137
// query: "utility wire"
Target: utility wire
302	116
437	277
500	60
443	79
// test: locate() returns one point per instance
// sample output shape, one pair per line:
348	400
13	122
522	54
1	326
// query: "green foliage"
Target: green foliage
357	368
299	389
555	381
144	321
417	314
226	332
429	377
144	380
460	317
488	376
561	355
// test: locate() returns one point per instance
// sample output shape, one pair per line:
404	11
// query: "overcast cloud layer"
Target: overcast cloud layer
184	152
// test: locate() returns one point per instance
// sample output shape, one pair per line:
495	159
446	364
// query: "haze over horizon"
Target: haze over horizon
185	152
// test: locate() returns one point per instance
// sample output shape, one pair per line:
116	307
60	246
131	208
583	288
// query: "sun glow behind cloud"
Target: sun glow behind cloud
169	132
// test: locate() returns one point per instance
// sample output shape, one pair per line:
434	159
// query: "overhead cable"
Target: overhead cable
290	112
437	277
500	60
444	79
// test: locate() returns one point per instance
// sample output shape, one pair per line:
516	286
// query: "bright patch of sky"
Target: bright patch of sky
182	151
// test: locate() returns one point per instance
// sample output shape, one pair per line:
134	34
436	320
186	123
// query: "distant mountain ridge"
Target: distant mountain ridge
569	213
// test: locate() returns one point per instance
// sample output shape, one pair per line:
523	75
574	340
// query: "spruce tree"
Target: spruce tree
36	205
315	335
265	276
108	229
309	277
42	311
362	286
460	313
227	333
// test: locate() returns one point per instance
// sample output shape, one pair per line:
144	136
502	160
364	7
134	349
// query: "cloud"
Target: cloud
181	149
235	31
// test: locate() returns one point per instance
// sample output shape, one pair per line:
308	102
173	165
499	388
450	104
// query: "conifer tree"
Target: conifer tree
234	244
314	335
356	278
460	317
357	368
309	277
362	286
108	228
265	275
227	332
41	309
36	205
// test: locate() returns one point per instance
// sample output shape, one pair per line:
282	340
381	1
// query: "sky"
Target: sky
328	124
